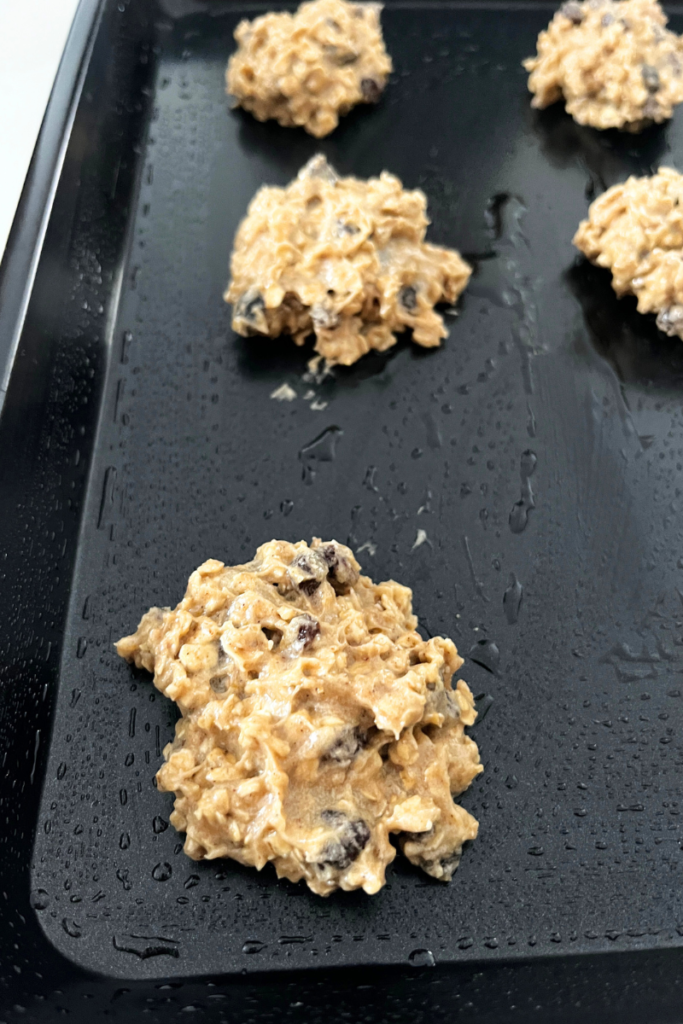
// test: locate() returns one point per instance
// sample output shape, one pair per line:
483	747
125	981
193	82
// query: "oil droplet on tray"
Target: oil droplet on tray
40	899
482	704
253	946
322	449
512	600
519	516
422	958
486	654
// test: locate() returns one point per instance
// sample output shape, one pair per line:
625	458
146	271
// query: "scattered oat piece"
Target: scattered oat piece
284	393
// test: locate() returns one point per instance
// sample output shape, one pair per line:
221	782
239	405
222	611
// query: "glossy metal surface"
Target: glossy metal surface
525	480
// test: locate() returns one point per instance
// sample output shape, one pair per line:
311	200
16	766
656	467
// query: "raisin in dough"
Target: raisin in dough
343	259
315	720
308	68
616	64
636	231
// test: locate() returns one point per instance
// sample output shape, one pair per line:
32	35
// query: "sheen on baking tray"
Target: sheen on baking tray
521	479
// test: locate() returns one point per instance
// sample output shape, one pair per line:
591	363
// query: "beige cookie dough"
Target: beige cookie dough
343	259
315	720
615	64
636	231
311	67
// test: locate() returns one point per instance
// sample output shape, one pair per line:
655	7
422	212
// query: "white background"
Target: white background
32	37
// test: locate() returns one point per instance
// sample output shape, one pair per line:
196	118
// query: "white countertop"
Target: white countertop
32	37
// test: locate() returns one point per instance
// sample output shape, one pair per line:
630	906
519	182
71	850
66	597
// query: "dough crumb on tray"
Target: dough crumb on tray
308	68
615	64
636	231
315	720
343	259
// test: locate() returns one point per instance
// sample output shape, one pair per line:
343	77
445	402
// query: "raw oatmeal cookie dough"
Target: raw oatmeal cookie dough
616	64
636	231
315	720
310	67
343	259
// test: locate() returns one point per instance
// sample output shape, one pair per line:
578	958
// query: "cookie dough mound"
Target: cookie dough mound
310	67
344	259
636	231
616	64
315	720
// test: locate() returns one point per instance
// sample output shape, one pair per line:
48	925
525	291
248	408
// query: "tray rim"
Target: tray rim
25	240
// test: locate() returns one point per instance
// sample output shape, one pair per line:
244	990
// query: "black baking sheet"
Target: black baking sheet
526	480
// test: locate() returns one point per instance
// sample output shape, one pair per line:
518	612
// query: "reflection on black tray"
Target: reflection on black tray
608	156
640	353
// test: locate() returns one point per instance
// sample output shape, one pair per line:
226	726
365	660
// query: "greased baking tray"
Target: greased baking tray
526	480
